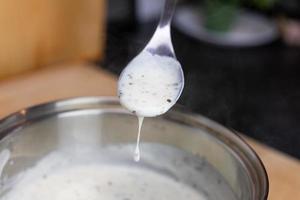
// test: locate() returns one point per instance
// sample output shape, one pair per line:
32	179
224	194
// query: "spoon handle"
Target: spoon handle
167	14
161	42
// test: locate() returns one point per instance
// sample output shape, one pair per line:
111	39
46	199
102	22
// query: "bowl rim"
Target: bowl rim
230	137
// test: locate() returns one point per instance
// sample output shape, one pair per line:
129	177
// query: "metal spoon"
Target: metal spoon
159	45
163	69
160	42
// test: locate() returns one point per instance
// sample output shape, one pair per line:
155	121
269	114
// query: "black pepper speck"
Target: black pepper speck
120	94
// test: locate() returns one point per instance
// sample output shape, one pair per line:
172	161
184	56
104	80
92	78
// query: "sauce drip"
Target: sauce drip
137	153
149	86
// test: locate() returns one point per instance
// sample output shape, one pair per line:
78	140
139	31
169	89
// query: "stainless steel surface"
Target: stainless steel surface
32	133
161	42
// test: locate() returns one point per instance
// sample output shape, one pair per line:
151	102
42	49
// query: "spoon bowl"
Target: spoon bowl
153	81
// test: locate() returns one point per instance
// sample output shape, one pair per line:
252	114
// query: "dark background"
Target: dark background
253	90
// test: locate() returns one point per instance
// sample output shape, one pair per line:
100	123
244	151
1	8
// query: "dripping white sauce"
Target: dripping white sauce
149	86
137	153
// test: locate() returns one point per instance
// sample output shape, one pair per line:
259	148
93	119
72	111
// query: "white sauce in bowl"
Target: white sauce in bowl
60	176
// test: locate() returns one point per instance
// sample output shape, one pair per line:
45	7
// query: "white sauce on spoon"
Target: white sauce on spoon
149	86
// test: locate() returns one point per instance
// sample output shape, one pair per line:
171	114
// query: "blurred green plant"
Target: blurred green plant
220	14
262	4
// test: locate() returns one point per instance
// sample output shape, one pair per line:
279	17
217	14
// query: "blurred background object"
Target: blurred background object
232	27
39	33
290	29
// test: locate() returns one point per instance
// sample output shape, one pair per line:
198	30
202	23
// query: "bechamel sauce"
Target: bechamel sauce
61	177
109	173
137	153
149	86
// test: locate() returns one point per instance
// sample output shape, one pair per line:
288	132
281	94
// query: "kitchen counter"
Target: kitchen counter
83	79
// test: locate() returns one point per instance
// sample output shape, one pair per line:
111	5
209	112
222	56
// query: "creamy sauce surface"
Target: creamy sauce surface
150	85
60	177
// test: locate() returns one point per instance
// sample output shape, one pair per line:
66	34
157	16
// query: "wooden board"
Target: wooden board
54	83
283	172
36	33
85	80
